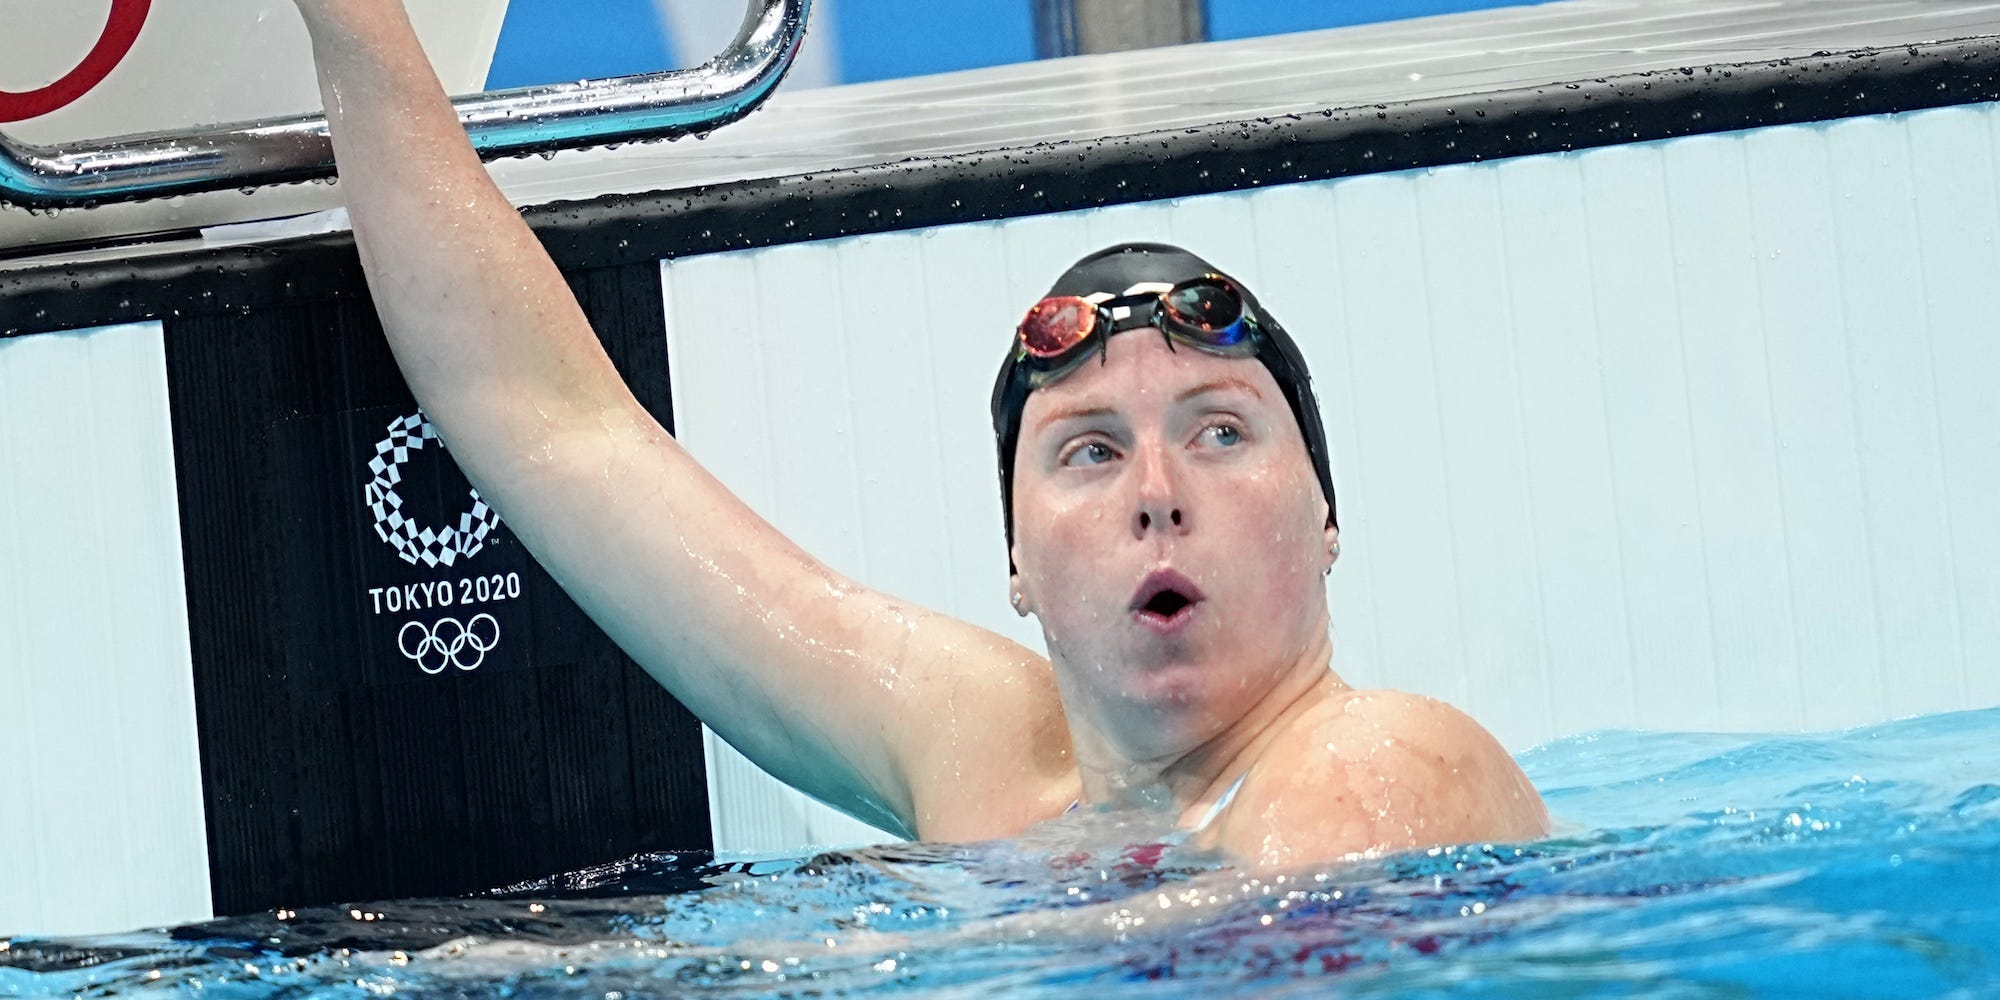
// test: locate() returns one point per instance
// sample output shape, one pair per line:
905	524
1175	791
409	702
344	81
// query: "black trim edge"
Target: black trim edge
1066	176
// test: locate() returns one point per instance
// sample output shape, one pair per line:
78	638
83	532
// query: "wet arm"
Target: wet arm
471	303
804	672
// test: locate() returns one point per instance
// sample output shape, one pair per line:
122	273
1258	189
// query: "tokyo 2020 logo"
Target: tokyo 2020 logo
418	543
463	638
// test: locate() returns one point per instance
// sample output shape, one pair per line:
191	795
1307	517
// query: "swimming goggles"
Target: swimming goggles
1059	332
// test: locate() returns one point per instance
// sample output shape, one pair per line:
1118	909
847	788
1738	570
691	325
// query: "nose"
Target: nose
1159	506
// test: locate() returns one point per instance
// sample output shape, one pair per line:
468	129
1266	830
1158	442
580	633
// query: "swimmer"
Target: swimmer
1170	522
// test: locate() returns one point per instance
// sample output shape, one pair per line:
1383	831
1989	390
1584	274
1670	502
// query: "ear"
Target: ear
1016	591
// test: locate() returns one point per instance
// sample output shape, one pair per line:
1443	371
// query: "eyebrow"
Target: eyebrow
1083	412
1077	413
1218	385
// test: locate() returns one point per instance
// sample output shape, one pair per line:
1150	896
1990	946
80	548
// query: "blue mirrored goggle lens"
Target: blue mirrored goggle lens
1208	311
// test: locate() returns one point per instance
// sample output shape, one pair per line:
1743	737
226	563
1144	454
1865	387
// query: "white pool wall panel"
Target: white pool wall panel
1697	434
101	827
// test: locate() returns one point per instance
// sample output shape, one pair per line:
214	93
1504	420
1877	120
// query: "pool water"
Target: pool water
1863	863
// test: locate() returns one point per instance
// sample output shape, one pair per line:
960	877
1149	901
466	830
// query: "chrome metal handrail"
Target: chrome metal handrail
500	123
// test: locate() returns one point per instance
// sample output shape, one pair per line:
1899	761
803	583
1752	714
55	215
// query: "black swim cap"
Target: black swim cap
1112	271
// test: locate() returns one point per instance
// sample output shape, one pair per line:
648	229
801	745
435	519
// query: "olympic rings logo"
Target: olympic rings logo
120	31
449	643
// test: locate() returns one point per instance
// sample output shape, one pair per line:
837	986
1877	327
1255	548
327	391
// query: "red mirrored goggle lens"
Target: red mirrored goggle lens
1055	326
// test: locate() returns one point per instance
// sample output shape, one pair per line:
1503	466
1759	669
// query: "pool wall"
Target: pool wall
1695	434
102	822
1657	397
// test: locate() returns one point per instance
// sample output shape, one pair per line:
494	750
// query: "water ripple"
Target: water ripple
1855	863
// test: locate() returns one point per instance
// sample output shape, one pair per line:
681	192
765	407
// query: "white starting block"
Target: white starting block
82	71
66	77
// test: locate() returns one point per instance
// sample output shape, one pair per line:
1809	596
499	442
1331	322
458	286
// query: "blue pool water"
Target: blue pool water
1864	863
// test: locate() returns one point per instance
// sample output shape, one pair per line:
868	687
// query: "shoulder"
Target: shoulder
1379	771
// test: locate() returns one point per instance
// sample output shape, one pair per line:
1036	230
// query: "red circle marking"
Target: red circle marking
120	31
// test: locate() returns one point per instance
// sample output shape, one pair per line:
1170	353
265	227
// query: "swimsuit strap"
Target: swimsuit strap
1221	803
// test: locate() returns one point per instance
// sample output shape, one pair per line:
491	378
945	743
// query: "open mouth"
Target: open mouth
1165	600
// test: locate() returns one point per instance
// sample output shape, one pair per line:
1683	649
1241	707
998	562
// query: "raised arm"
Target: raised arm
905	718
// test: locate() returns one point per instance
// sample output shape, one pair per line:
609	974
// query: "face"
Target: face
1170	535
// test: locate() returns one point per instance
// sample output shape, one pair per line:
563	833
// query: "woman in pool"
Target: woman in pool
1170	525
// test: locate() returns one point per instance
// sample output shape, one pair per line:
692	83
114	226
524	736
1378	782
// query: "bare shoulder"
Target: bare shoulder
1379	771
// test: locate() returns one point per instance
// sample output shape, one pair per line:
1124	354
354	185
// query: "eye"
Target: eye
1226	435
1088	453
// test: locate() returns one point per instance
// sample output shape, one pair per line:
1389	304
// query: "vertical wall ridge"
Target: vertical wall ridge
1944	507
